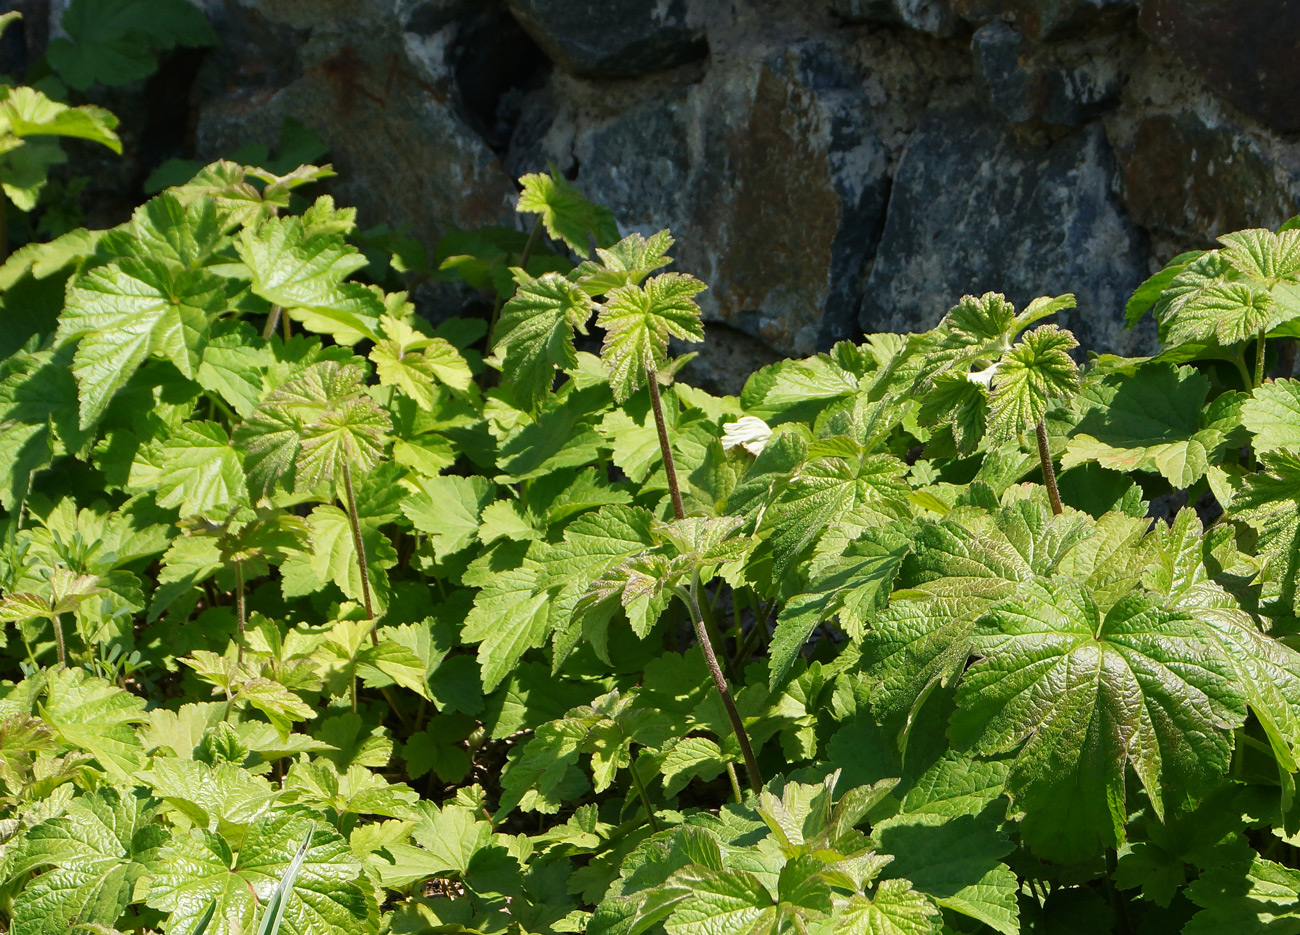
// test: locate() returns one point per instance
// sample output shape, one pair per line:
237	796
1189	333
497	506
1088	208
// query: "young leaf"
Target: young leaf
1035	373
199	471
1270	502
311	426
126	311
638	322
536	334
566	214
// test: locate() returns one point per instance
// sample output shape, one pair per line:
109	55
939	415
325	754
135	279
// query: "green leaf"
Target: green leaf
312	427
1272	415
90	714
894	909
565	213
1032	376
92	858
1083	697
689	758
127	311
626	263
1270	501
117	41
27	112
200	867
510	616
416	364
722	902
1149	292
956	863
199	471
1253	900
638	322
448	508
535	334
1151	420
293	268
839	496
855	585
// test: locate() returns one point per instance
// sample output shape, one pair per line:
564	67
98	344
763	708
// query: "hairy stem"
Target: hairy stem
1259	358
272	322
57	620
533	237
670	466
645	798
241	611
1049	473
1239	361
360	546
720	682
735	783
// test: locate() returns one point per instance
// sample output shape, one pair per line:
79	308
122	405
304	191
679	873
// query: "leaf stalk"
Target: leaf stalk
1049	473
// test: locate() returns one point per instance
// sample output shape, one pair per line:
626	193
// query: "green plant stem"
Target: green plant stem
529	246
1259	358
1247	381
735	783
4	227
1120	905
645	798
720	682
241	611
272	322
670	466
57	620
360	546
1049	473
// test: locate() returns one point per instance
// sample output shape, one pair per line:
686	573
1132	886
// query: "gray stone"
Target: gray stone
976	209
771	175
935	17
1048	19
398	139
612	38
1027	81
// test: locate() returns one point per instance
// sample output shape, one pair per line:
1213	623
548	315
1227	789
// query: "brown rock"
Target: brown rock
1247	52
1194	182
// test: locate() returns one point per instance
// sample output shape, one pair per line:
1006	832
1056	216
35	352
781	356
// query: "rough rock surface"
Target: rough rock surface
1196	180
599	39
1035	82
975	209
1046	19
936	17
397	134
1246	52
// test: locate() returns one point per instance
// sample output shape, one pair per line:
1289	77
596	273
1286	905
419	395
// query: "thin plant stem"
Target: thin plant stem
57	620
272	322
241	611
720	682
670	466
1049	473
1239	361
1122	924
645	798
1259	358
735	783
691	595
360	546
286	327
4	228
533	237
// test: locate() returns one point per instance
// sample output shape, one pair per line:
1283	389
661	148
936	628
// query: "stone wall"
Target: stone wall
827	166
